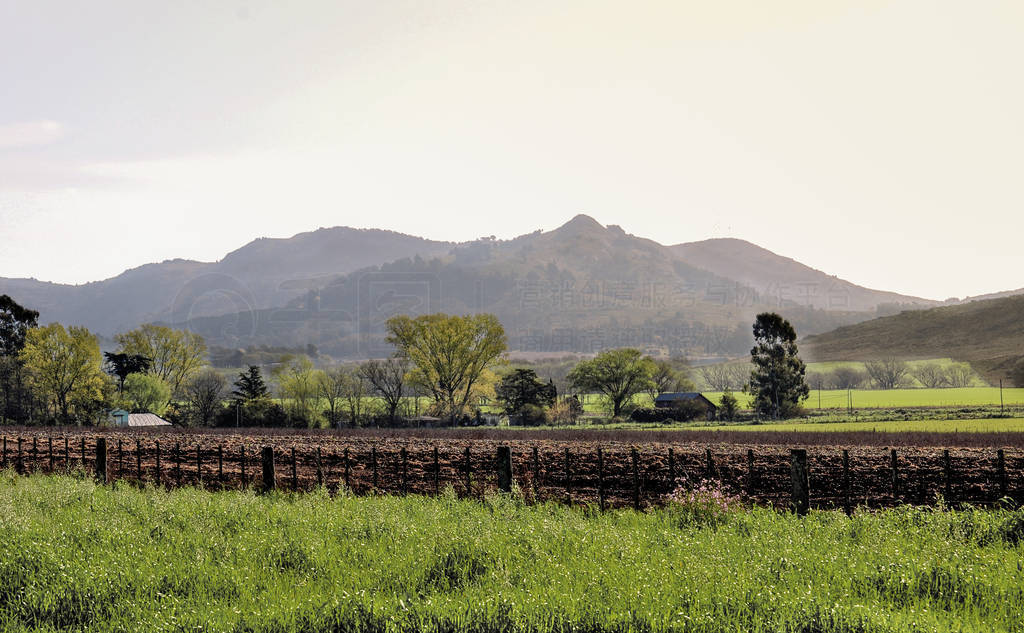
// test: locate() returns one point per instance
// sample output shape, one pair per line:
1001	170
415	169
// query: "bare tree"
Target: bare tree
847	378
205	394
665	378
960	375
724	377
355	391
332	385
930	375
387	379
888	373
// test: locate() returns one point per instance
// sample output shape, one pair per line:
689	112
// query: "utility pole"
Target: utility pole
1000	397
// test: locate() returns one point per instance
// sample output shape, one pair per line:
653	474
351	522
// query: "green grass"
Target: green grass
87	558
895	398
988	425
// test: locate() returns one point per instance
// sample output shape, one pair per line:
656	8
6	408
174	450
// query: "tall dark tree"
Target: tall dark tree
122	365
15	322
388	378
777	381
523	387
250	385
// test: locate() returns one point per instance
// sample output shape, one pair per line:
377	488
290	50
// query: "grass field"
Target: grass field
894	398
988	425
85	558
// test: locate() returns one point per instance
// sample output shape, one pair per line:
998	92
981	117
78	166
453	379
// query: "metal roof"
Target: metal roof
146	419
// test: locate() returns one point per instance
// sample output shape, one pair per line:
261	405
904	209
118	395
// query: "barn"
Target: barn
675	399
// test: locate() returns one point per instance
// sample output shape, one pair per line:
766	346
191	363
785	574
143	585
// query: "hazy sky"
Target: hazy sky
879	141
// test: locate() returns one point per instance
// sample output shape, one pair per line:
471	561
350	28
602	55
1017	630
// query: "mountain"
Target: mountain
989	334
580	287
263	273
787	279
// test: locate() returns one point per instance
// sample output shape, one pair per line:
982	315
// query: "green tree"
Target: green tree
64	365
250	385
175	355
728	406
299	385
665	378
449	354
122	365
617	374
331	386
147	393
522	387
15	322
777	380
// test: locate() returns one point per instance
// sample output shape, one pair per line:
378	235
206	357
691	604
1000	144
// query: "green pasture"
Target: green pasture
80	557
897	398
988	425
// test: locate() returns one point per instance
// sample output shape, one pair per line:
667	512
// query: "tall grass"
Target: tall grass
76	556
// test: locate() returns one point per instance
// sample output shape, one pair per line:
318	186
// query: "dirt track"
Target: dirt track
920	470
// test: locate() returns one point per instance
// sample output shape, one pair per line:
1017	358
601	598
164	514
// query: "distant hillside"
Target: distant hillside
263	273
787	279
989	333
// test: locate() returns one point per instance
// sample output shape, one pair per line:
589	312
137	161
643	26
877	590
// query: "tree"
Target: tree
250	385
205	395
331	387
175	355
64	364
522	387
723	376
387	379
355	391
777	380
122	365
888	373
617	374
299	384
147	393
1016	374
449	354
930	375
728	407
15	322
847	378
959	375
665	378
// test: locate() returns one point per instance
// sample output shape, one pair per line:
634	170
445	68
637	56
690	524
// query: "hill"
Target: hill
787	279
989	334
263	273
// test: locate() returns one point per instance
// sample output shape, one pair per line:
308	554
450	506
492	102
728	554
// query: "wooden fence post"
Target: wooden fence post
469	475
3	460
269	478
437	472
199	465
947	469
798	474
138	461
67	454
373	463
245	479
348	483
505	469
894	466
220	464
49	442
83	454
158	462
710	463
319	468
750	472
568	478
35	455
120	457
600	476
846	483
536	472
177	463
405	471
1001	472
295	472
20	463
101	459
636	480
671	470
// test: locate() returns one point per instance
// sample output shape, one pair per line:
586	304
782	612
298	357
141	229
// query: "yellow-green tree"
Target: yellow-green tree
175	355
449	354
65	366
299	386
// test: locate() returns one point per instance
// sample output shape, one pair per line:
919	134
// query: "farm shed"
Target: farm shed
675	399
120	417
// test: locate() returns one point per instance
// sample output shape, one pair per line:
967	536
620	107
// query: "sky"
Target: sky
878	141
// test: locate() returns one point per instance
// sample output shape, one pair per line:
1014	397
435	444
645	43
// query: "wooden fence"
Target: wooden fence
635	476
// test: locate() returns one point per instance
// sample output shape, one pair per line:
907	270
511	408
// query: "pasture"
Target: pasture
987	425
82	557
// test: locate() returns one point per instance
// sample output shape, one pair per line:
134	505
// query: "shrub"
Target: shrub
706	504
532	415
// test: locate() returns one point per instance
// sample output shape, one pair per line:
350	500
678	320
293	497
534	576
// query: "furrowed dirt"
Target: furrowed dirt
547	465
